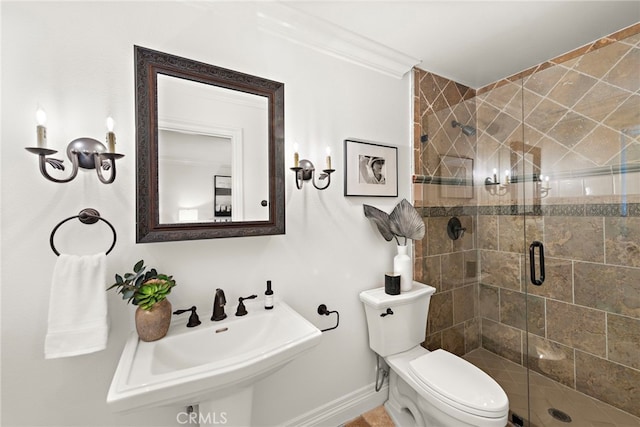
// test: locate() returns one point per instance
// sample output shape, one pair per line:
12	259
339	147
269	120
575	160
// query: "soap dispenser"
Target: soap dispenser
268	298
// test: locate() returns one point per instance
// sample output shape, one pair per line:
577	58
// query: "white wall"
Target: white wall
76	60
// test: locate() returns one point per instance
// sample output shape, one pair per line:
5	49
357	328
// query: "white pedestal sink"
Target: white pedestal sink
214	365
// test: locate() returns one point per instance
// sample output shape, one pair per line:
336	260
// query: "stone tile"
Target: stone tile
487	232
452	272
471	334
502	340
433	341
464	303
622	241
558	282
431	272
513	312
599	61
552	360
571	88
358	422
378	417
500	269
579	238
625	73
440	312
578	327
623	339
626	116
453	339
609	382
600	101
543	81
489	302
610	288
439	241
511	233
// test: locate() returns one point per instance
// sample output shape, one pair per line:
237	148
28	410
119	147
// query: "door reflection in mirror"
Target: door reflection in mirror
210	131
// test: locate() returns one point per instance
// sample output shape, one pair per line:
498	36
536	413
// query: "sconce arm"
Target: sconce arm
54	163
106	161
326	174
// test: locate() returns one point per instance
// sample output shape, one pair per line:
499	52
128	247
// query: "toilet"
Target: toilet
427	388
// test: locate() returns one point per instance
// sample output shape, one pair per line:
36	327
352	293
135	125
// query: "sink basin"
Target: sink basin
213	360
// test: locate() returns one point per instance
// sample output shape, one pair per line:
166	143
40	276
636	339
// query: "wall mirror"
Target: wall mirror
210	151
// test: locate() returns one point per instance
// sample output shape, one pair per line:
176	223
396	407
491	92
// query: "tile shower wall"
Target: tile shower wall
443	154
582	129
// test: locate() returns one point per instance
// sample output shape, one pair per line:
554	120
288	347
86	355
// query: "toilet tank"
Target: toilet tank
406	327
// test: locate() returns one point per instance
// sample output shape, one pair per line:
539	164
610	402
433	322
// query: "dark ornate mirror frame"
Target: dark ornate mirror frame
150	63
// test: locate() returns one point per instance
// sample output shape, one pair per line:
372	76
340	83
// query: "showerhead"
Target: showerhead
466	129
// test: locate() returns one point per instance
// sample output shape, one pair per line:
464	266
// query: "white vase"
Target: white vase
402	266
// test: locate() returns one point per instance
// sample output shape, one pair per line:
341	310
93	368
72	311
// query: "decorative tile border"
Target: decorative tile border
578	210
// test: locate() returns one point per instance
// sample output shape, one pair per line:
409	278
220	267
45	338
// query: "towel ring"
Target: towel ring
86	216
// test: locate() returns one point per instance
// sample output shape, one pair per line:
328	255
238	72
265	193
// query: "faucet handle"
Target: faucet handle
242	310
194	320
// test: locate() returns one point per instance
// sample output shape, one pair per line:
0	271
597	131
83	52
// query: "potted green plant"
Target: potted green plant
147	289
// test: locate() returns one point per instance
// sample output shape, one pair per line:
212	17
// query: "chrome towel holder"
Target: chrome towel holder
86	216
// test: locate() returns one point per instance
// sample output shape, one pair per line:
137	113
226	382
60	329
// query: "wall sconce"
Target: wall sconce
86	153
494	187
305	171
544	188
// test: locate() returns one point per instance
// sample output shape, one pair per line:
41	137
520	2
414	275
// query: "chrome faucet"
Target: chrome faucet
218	305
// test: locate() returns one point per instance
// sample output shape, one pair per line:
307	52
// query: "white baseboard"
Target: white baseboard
343	409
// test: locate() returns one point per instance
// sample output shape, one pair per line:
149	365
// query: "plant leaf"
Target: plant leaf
405	221
139	266
380	219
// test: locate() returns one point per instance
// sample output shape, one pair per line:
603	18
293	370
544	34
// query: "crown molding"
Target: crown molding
304	29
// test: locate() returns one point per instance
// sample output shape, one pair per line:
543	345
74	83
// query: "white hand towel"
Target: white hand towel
77	306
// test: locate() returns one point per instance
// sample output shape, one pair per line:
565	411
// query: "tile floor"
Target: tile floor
583	410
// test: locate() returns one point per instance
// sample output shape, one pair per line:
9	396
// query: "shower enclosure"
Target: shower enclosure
547	276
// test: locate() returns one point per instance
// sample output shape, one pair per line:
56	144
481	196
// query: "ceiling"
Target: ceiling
476	43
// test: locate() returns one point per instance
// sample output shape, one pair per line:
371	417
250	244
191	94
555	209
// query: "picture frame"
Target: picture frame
222	196
371	169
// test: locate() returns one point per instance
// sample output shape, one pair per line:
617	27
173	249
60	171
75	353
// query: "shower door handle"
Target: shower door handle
532	262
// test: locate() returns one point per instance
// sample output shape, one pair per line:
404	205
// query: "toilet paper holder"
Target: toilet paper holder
323	310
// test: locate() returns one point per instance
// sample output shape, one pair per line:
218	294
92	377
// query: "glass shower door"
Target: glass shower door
576	176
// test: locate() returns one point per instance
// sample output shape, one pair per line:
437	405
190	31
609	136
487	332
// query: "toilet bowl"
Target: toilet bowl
427	388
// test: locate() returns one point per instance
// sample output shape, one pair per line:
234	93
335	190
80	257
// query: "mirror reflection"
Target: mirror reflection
207	132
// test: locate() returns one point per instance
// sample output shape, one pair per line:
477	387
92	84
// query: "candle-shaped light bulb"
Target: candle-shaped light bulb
41	130
495	175
506	176
111	137
41	117
296	156
328	158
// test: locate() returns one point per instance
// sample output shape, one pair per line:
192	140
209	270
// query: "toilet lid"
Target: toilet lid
459	383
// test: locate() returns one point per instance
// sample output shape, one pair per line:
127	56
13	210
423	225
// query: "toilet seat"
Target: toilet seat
459	384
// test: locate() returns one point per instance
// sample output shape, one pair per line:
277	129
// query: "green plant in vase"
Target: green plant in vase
148	290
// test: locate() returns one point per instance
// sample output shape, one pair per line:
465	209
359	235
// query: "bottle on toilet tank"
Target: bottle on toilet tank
268	297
